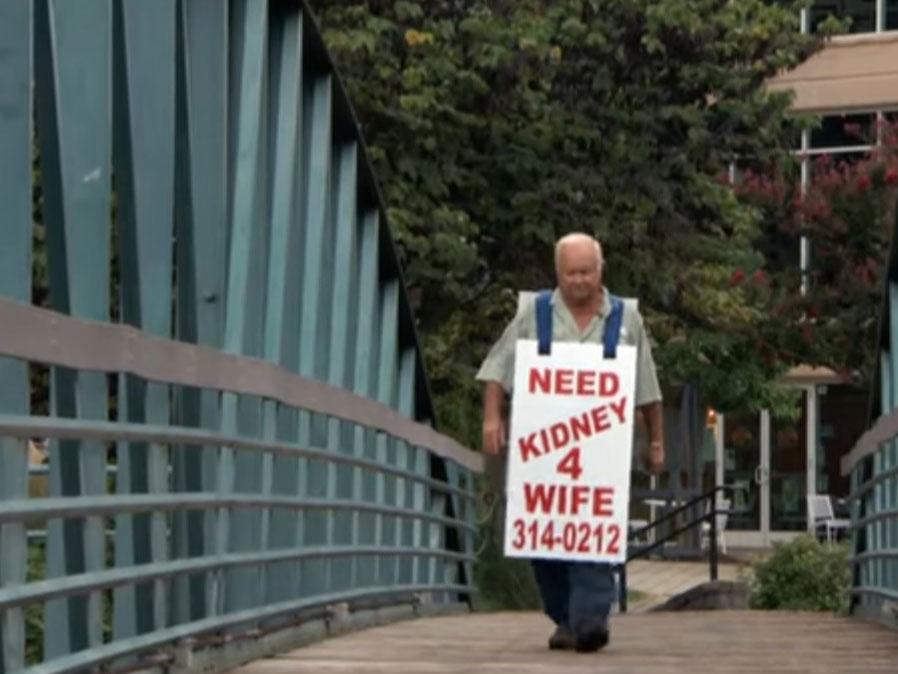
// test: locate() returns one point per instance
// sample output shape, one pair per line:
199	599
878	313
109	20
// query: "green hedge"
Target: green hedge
802	575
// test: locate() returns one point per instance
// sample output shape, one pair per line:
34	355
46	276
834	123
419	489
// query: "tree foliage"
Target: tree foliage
496	127
846	212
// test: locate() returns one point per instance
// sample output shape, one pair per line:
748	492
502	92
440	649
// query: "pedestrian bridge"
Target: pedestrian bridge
216	432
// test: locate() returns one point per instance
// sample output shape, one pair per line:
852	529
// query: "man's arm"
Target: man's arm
494	434
654	419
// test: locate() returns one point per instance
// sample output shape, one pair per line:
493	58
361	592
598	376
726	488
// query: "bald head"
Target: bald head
578	266
584	242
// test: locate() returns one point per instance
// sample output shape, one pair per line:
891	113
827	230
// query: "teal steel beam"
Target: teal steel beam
365	383
246	268
74	96
201	243
144	139
407	532
15	281
344	312
315	302
387	394
280	472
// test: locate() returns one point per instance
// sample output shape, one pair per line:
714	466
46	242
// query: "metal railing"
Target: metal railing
873	469
673	522
239	421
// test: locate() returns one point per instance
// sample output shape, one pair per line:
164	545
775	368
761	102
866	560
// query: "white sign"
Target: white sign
569	452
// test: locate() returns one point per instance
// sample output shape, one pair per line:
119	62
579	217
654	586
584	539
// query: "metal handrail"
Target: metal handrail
670	516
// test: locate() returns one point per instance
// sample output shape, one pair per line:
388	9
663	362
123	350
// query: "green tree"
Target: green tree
846	211
495	127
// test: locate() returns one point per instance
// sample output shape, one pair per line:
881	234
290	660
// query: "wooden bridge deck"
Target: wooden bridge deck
728	642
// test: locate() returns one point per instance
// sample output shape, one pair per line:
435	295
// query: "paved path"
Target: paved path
728	642
659	580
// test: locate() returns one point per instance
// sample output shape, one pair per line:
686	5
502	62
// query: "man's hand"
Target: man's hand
493	417
493	435
654	458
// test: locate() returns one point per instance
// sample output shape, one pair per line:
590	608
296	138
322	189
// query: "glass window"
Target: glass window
741	459
788	470
862	14
841	420
844	131
891	22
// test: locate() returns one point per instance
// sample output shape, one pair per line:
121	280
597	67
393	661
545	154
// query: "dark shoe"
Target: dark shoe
562	640
591	635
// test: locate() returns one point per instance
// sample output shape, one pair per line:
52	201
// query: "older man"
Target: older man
577	596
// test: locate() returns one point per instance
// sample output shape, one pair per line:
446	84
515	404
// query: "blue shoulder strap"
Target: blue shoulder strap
544	324
544	321
612	327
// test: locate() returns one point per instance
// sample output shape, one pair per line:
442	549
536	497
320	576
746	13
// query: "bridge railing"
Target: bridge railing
316	498
199	290
873	468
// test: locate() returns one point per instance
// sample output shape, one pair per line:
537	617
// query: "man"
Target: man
577	596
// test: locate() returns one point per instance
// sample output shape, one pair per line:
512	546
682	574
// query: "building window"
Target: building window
860	13
891	17
849	133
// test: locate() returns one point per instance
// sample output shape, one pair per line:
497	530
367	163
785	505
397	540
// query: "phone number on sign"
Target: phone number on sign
572	537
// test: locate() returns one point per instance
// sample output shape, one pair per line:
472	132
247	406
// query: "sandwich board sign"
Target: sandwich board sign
568	483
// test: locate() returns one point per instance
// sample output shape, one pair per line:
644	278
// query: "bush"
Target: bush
503	584
802	575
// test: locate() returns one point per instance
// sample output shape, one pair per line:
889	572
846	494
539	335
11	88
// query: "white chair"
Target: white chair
634	526
723	508
822	515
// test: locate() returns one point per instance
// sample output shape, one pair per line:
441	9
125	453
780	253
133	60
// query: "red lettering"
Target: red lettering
539	496
586	383
528	449
560	435
600	418
578	498
580	427
608	384
618	408
602	498
544	436
564	382
540	379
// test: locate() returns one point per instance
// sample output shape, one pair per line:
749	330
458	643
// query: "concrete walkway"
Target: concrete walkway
723	642
658	581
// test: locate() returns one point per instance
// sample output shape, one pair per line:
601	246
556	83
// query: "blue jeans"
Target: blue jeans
574	592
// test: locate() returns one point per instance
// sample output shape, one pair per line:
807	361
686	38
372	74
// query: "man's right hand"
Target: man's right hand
493	417
493	436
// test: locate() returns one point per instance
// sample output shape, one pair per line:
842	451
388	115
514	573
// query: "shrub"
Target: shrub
802	575
502	583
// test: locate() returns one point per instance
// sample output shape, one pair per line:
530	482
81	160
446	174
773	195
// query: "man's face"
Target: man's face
579	272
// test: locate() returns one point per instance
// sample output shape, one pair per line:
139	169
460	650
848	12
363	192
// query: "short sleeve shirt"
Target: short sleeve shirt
499	363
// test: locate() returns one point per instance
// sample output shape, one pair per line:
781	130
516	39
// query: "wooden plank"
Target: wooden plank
724	642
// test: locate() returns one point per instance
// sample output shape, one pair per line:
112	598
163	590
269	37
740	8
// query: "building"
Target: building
778	463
